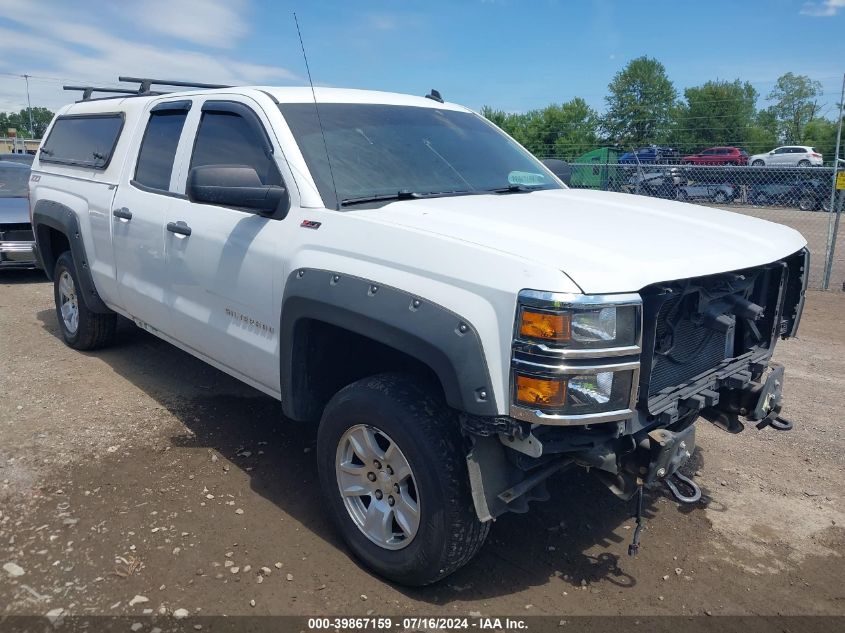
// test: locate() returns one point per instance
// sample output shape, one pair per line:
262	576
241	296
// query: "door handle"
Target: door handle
180	228
123	213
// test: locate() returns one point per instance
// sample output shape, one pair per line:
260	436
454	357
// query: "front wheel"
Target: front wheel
807	202
721	197
393	474
758	163
81	328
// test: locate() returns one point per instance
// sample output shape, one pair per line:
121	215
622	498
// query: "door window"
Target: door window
226	138
158	148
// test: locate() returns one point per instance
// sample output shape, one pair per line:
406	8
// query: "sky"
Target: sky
514	55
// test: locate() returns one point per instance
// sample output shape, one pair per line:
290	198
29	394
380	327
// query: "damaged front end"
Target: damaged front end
615	383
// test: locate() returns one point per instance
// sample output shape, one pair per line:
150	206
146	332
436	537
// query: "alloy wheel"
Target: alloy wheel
378	488
69	307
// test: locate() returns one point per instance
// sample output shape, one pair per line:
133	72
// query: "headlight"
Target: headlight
580	327
575	357
575	394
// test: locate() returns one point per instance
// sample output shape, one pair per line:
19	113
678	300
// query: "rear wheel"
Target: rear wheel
761	199
682	195
720	197
393	474
81	328
804	163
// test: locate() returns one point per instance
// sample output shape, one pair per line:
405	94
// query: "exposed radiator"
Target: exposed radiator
696	349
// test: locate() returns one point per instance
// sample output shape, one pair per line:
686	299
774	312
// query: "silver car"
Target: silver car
17	245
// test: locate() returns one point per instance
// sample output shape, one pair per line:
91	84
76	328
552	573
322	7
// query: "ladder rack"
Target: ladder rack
144	88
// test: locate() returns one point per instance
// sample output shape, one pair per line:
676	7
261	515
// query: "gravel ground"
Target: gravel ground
138	478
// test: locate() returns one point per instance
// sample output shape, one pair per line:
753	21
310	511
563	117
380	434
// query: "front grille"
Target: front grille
687	352
17	236
17	226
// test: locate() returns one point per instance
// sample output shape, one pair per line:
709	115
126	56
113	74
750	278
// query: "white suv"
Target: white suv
788	156
396	269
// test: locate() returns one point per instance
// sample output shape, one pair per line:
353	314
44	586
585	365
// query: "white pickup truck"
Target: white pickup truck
396	269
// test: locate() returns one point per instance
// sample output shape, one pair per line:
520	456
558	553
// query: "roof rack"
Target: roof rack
88	91
144	87
146	84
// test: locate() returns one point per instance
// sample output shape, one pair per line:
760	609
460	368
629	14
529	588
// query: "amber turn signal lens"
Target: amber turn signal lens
540	391
544	325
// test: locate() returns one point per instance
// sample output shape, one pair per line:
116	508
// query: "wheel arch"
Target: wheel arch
56	229
326	316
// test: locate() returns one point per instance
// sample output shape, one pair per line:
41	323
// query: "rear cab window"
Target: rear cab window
83	140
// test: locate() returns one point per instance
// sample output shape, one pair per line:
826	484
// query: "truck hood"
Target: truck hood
605	242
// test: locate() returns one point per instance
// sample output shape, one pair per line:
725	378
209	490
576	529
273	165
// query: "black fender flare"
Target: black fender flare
50	214
444	341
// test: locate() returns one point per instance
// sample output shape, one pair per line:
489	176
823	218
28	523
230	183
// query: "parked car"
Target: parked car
808	194
25	159
662	183
717	156
457	324
16	241
788	156
653	154
707	191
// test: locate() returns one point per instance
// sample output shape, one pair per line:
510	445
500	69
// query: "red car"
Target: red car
718	156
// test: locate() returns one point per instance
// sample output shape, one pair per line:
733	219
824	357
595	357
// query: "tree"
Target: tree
821	134
763	134
716	113
640	103
561	131
41	118
795	104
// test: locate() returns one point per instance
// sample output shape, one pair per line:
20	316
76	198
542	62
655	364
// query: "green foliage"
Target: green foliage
795	105
821	134
715	113
640	103
41	118
565	131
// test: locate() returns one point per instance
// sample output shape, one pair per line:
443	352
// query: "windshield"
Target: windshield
14	181
381	150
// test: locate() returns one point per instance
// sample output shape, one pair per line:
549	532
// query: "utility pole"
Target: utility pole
833	220
29	107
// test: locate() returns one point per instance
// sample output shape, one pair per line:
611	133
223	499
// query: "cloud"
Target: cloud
75	45
218	24
822	8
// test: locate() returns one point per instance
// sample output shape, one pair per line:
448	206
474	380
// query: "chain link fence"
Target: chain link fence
799	197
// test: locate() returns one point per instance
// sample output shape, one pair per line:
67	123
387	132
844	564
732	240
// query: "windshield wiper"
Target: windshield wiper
399	195
515	189
404	195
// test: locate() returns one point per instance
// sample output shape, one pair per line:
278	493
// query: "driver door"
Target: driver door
227	265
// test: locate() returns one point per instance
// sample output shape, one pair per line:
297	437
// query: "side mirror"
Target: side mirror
559	168
234	186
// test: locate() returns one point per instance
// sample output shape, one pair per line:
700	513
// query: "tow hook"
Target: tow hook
693	497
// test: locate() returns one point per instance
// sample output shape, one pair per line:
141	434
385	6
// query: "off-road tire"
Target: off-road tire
427	432
94	329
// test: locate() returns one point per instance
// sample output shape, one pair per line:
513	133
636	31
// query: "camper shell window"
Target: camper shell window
84	140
